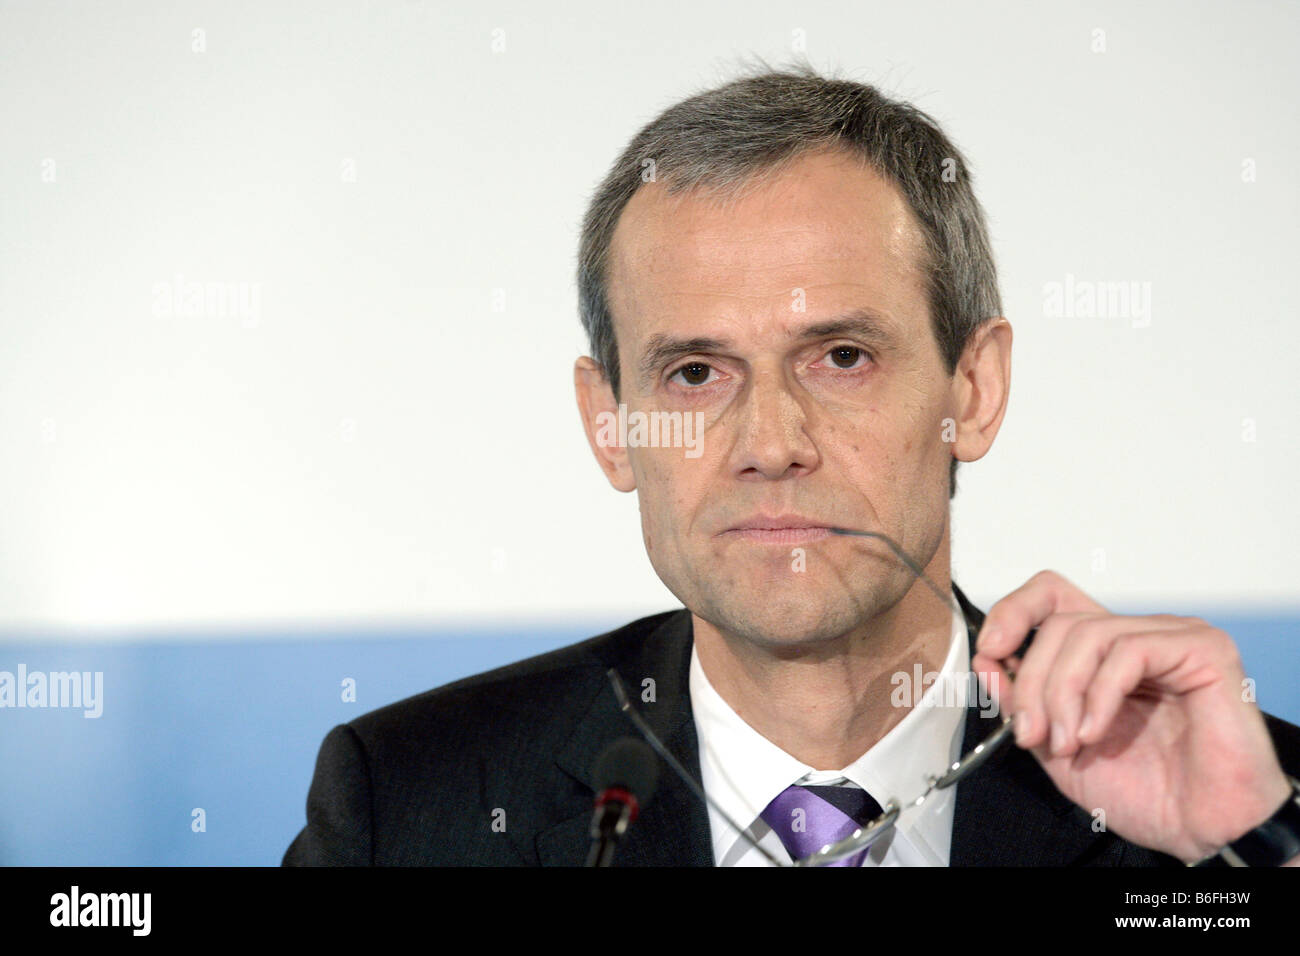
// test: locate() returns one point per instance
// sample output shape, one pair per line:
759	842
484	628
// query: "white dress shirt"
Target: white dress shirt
744	771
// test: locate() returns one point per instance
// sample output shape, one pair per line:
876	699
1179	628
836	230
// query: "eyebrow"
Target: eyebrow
863	323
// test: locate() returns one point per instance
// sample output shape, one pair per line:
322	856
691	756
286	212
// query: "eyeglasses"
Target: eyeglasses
866	835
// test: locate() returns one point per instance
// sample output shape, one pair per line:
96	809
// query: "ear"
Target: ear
599	411
981	384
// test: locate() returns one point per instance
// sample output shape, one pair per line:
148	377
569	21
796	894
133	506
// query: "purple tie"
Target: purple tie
808	818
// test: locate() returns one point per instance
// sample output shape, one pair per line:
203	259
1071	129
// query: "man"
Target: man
798	268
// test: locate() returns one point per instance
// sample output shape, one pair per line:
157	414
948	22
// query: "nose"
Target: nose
772	441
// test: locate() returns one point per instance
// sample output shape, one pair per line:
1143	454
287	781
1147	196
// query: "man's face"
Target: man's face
820	387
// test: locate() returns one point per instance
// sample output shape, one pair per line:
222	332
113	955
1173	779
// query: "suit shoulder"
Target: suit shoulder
540	687
1286	741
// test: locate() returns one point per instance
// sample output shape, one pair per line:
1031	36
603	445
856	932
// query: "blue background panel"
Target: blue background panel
233	726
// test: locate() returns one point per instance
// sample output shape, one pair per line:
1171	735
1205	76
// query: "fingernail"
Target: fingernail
1058	738
1020	720
987	635
1085	724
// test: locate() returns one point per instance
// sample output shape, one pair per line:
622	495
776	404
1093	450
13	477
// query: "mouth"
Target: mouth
777	529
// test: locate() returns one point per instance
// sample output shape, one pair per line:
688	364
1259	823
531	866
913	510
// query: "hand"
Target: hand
1142	717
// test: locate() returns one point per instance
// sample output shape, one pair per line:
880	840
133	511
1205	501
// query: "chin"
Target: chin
785	620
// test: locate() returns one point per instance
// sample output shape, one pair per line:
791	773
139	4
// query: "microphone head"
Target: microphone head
628	763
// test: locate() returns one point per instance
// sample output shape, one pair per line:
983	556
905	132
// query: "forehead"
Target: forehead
827	224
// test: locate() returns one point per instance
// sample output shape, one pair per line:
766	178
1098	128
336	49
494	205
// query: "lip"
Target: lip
779	529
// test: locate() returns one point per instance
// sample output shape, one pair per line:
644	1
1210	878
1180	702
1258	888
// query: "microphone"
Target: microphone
625	773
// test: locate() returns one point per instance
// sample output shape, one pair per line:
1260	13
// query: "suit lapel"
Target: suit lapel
1008	812
673	828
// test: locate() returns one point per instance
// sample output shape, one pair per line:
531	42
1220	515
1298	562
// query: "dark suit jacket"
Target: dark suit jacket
423	781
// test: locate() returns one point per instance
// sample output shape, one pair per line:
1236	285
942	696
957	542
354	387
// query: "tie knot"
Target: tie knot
808	818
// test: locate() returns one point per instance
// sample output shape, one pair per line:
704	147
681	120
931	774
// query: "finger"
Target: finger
1172	661
996	682
1085	646
1011	619
1029	711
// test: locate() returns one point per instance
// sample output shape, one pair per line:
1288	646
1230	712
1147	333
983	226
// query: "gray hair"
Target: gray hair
721	139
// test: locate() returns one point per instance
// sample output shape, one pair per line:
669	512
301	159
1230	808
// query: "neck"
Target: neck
828	707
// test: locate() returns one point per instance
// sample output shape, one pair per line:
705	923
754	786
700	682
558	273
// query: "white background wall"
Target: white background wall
379	443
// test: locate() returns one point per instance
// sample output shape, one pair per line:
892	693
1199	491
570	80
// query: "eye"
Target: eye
847	357
693	374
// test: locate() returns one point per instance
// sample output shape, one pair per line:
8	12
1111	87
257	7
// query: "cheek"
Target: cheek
660	492
867	448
